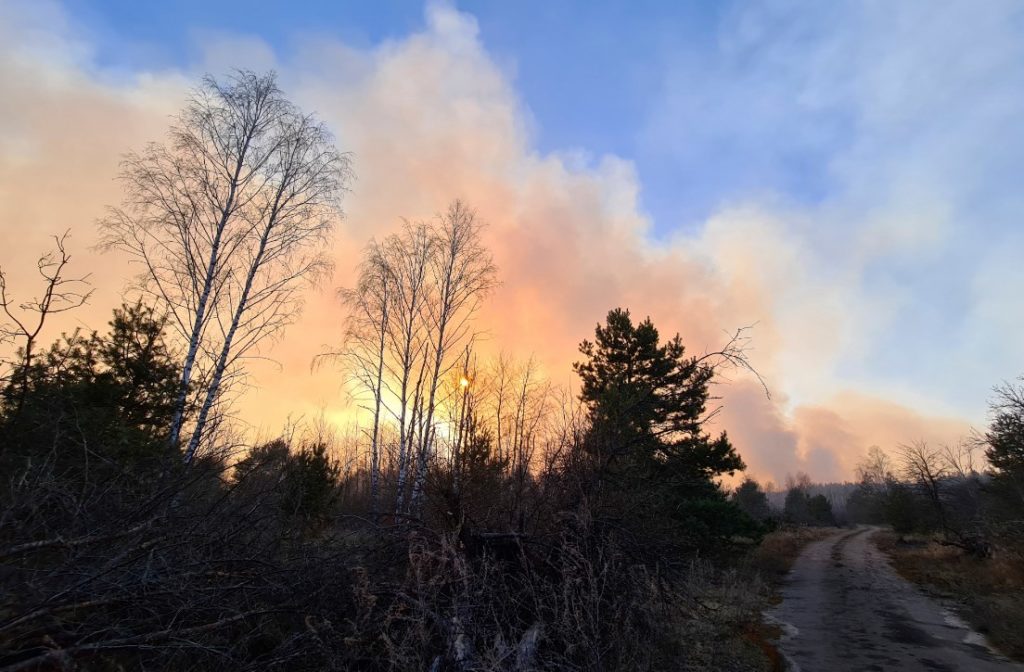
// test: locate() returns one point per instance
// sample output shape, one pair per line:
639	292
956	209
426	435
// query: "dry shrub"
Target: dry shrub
572	601
564	607
186	574
201	568
722	609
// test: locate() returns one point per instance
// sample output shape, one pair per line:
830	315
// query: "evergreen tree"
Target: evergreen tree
795	510
303	483
802	508
1004	444
647	403
752	500
107	395
819	510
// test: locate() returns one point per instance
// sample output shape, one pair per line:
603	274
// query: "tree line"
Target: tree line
970	494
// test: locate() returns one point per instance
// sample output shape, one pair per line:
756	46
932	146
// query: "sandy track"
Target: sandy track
845	608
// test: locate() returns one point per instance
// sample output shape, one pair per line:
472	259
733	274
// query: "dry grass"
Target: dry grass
990	591
718	627
770	562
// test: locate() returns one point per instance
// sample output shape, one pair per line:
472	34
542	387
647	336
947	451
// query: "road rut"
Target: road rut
844	608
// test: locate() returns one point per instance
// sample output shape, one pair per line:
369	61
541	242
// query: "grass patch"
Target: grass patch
990	591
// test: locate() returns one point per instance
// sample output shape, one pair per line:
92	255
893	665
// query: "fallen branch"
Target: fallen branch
33	546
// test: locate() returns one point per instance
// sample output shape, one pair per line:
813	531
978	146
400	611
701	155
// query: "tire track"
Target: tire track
844	608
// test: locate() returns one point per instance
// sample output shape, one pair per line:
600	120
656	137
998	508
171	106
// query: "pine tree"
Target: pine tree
111	394
1004	445
752	500
647	403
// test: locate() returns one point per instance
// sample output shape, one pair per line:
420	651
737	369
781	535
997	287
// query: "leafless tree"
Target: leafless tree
228	218
27	319
463	272
407	257
364	352
961	459
733	355
876	470
522	401
926	468
410	319
460	418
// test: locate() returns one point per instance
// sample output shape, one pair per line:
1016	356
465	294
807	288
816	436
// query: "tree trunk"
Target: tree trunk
178	418
225	351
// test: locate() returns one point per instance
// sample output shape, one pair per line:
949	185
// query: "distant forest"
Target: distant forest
480	518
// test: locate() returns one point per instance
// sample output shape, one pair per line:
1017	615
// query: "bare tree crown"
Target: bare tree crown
228	217
410	322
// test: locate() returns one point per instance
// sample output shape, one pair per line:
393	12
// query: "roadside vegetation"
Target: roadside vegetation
957	519
988	591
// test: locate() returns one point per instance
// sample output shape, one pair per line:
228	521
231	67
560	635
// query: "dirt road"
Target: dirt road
844	608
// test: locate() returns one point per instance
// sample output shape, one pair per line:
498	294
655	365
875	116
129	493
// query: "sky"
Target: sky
845	176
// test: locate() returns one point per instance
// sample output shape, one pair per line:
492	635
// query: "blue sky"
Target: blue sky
587	72
607	77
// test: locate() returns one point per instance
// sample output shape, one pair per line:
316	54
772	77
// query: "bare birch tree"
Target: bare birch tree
463	272
364	351
228	218
408	258
459	417
409	321
529	406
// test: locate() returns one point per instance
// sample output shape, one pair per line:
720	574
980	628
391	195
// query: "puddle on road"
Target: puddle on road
789	632
972	637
